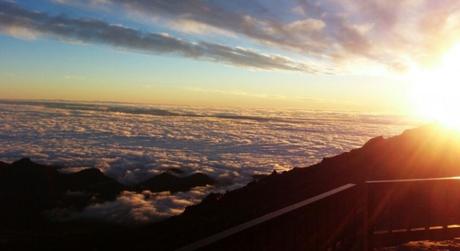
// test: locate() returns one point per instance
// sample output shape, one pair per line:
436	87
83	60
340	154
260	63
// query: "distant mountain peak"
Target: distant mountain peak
374	141
170	182
24	162
91	171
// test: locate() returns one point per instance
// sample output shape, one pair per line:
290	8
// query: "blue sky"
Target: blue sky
301	53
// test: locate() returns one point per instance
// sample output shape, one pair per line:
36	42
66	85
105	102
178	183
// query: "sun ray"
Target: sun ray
436	93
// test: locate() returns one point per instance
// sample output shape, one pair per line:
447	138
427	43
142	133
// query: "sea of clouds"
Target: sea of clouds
134	142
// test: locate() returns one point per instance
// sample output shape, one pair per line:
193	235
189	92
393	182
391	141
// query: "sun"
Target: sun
435	93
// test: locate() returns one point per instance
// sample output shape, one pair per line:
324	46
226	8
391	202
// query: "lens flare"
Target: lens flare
435	94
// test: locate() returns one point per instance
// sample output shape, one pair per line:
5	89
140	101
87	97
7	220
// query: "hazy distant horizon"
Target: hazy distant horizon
332	108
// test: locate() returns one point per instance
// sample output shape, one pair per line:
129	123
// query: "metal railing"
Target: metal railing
375	213
412	209
322	222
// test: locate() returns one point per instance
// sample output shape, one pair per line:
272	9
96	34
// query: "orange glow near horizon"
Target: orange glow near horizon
435	94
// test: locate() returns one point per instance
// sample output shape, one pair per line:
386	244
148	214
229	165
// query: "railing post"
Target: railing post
365	214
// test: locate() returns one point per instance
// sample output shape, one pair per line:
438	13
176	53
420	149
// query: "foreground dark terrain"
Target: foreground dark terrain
28	189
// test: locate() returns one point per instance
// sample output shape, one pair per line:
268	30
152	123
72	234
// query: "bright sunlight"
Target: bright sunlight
436	93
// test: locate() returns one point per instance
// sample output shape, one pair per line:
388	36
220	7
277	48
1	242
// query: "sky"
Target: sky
305	54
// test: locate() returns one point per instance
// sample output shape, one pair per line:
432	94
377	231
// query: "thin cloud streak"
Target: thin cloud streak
397	35
13	17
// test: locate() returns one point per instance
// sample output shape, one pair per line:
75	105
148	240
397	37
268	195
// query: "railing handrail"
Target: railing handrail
239	228
412	180
267	217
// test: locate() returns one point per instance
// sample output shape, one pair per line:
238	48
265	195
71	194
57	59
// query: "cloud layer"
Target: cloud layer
144	207
135	146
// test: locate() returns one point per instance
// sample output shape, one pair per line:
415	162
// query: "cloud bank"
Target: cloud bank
144	207
132	147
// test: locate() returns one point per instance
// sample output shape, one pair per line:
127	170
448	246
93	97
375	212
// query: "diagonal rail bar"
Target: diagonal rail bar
239	228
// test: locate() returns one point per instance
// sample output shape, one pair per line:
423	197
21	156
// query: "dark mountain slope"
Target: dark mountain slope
418	153
170	182
2	164
27	189
93	181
